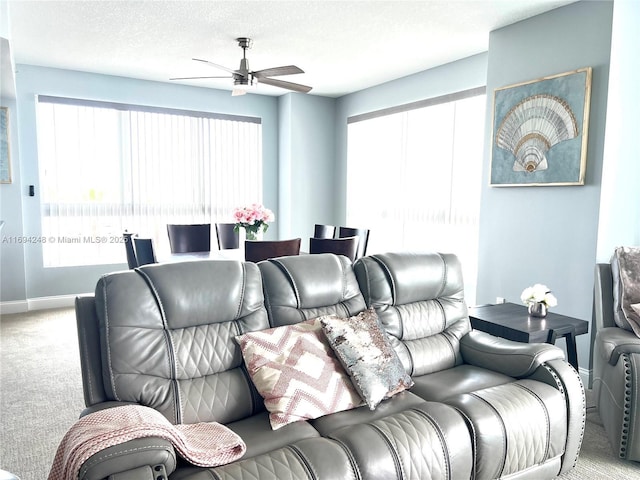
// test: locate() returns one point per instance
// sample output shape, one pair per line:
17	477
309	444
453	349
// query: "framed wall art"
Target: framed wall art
5	157
540	131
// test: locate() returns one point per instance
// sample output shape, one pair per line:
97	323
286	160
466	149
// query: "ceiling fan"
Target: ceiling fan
244	79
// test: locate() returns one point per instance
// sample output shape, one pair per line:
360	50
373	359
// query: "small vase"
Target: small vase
537	309
252	234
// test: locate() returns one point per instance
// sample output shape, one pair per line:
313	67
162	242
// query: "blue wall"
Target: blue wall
620	202
547	234
307	164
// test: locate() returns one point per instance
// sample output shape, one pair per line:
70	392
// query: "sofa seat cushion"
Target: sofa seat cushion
398	403
428	441
260	438
296	372
517	426
455	381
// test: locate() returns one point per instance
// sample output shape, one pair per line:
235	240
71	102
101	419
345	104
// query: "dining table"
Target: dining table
228	254
225	254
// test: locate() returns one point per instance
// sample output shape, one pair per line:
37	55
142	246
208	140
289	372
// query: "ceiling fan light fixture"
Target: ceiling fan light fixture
242	85
245	83
245	79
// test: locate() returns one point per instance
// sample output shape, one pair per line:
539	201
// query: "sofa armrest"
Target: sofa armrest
146	458
143	473
565	378
103	406
615	341
511	358
150	458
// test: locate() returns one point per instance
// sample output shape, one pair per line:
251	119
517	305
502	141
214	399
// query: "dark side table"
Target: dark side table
512	321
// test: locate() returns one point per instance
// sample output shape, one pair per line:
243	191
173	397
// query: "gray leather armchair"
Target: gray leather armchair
616	367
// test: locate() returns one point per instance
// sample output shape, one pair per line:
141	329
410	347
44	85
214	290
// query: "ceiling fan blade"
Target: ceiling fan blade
237	92
216	65
196	78
296	87
276	71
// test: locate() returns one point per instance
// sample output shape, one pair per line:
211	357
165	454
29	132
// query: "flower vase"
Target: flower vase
537	309
252	235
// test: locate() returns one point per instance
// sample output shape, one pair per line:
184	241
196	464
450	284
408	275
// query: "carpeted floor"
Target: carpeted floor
41	397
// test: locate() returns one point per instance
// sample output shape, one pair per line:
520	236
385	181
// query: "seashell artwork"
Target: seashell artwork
532	127
540	131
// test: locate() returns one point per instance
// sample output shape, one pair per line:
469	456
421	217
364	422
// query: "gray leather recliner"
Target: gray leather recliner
524	404
616	367
163	336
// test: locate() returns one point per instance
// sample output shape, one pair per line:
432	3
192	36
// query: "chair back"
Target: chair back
362	233
324	231
256	251
227	236
307	286
144	251
419	299
347	246
189	238
132	261
178	357
603	298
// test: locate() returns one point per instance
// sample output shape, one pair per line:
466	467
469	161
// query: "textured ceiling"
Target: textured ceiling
343	46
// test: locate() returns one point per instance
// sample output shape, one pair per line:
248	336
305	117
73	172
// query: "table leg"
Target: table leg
570	336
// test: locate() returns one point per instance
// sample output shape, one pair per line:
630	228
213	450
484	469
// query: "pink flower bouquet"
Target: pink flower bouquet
253	219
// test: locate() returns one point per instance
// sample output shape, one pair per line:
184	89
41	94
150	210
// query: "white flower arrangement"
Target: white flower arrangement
538	294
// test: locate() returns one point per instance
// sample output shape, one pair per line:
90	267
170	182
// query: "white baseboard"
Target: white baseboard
39	303
19	306
584	376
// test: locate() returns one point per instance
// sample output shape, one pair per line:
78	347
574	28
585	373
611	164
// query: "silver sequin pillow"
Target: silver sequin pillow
365	352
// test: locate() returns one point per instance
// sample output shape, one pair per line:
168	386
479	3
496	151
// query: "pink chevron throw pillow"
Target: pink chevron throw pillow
296	372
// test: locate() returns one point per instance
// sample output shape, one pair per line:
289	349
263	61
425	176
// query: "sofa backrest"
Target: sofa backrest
419	299
167	336
302	287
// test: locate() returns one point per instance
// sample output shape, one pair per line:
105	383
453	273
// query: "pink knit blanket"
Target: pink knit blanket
202	444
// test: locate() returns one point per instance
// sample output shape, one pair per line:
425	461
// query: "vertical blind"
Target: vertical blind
109	167
414	177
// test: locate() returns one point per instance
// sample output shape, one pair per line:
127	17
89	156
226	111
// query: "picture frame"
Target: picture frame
5	154
540	131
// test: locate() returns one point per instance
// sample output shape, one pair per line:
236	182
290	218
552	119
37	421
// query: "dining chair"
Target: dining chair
189	238
258	250
144	251
227	236
362	233
324	231
347	246
132	261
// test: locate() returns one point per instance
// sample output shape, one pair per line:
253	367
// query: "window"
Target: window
414	177
109	167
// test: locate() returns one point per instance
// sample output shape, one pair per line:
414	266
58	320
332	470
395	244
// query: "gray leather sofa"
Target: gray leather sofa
482	407
616	367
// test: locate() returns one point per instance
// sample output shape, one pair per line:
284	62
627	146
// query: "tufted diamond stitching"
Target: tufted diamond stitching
282	464
526	423
206	349
417	444
207	398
